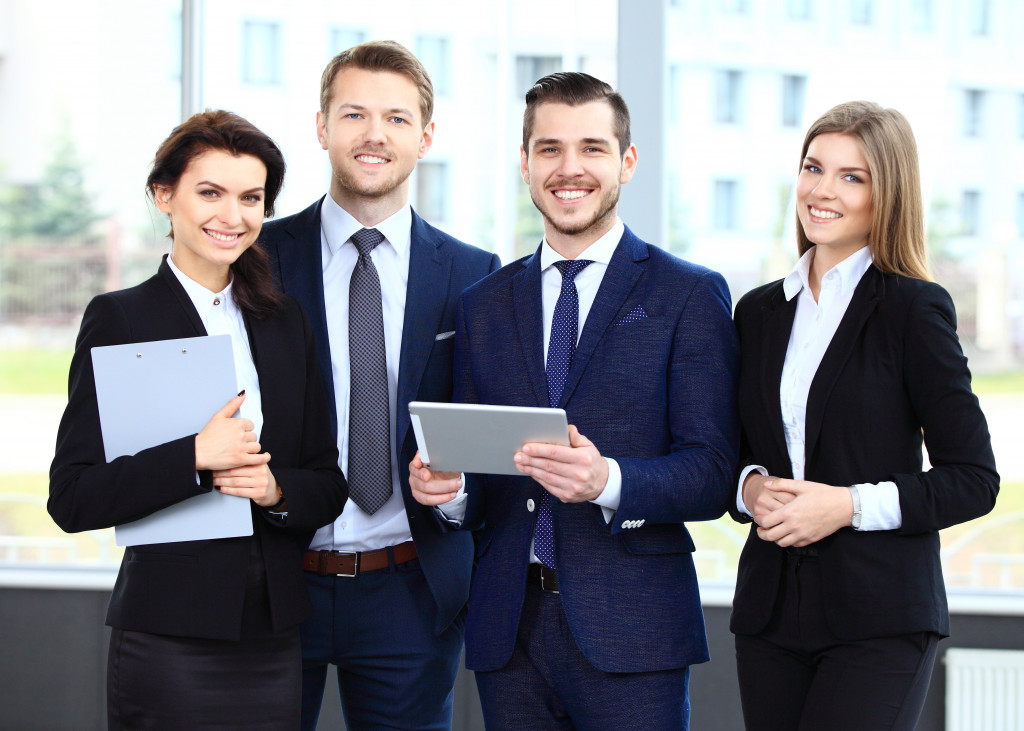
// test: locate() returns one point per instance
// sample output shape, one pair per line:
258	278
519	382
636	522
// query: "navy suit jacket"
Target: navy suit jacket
197	588
893	371
440	267
652	384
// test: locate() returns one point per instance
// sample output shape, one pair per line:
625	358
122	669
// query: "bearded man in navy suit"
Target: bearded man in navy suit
584	611
388	584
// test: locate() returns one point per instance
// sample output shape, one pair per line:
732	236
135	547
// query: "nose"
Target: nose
571	164
374	132
824	188
230	212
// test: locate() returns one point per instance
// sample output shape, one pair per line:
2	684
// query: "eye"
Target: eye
398	120
812	168
352	115
851	178
252	198
208	193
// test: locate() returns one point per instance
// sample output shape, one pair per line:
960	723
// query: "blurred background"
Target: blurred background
721	93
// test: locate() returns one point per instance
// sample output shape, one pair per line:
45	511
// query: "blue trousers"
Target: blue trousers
378	629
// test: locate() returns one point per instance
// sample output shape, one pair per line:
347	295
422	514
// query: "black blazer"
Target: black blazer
893	370
197	588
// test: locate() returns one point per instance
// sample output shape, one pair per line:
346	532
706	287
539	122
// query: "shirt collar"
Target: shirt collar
600	251
849	270
202	298
339	225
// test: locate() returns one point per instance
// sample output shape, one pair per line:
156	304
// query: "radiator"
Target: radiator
984	690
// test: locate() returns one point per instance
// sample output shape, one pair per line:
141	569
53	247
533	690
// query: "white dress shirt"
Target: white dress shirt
354	530
814	326
221	316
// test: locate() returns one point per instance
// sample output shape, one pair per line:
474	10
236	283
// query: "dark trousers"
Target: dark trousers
549	684
798	676
378	629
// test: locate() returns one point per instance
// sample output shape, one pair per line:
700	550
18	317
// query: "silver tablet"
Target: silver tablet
479	438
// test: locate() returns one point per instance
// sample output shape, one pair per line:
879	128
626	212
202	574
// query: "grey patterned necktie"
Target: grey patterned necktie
369	420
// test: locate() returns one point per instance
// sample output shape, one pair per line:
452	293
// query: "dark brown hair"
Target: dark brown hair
575	89
252	282
896	239
388	56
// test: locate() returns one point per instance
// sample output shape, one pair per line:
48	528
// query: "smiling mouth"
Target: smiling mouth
226	238
817	213
371	159
571	195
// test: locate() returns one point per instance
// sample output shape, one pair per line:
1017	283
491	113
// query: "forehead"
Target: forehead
386	89
229	171
590	121
839	149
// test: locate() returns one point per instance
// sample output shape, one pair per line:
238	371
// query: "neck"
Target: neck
370	210
213	276
825	258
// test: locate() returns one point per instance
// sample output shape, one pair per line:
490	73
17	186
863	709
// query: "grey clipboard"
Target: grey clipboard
480	438
151	393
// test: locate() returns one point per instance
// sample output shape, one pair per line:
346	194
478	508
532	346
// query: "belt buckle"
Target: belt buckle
543	587
355	563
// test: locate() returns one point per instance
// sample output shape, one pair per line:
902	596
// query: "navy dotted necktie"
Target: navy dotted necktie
561	346
369	419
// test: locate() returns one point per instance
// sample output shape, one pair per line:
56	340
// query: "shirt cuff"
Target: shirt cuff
611	496
879	506
740	506
454	511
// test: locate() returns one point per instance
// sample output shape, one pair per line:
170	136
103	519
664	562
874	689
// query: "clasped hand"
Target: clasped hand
228	447
796	512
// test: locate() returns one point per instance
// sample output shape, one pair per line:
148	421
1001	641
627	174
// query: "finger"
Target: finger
231	406
246	424
576	439
249	436
416	463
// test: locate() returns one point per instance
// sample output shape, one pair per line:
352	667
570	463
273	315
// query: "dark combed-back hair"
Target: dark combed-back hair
896	239
252	282
574	89
388	56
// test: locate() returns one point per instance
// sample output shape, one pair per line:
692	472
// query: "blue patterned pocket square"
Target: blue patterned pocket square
635	315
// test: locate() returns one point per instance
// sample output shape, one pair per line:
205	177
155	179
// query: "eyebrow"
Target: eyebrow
585	141
222	188
842	170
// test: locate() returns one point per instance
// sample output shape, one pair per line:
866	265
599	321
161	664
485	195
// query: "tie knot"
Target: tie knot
571	267
366	239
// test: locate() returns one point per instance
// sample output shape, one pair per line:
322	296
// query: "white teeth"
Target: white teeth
825	214
221	237
568	195
371	159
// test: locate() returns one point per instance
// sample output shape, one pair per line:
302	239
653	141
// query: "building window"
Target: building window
970	209
727	96
435	54
344	38
531	68
261	52
794	91
726	206
922	14
798	9
979	17
432	184
735	7
862	12
974	101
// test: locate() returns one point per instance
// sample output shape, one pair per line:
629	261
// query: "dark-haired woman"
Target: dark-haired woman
205	633
845	365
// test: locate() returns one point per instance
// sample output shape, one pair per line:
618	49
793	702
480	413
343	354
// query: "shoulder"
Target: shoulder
459	250
497	280
291	226
759	296
914	299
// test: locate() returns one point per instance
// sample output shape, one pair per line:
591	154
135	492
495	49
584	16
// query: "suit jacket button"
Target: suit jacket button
530	505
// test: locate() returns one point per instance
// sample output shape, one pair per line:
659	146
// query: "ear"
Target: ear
321	129
427	140
628	165
162	196
524	165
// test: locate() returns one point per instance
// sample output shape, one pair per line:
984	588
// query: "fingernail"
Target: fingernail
242	392
518	457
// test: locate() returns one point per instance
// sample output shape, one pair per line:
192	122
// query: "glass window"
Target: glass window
261	52
726	205
727	96
343	38
1020	215
798	9
794	91
432	188
970	209
435	53
974	102
922	14
979	17
531	68
862	12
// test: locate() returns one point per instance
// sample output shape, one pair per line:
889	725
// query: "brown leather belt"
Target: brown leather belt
540	575
353	563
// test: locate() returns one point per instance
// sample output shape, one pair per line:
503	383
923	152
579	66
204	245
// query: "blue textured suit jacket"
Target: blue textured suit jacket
652	384
440	267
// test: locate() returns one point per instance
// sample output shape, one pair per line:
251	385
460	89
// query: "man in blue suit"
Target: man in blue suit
584	611
380	285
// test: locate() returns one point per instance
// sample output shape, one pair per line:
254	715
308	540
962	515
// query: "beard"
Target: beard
606	210
379	187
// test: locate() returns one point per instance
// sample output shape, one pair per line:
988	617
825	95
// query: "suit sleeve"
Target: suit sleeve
465	393
695	480
87	492
962	483
314	488
746	452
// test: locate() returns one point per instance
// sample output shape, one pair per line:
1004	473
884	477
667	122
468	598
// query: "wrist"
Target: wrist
855	519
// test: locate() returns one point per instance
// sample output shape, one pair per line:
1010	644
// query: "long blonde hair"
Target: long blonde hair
896	239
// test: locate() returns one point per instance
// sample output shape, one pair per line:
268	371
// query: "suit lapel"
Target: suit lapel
621	276
529	315
181	297
865	300
776	329
430	266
